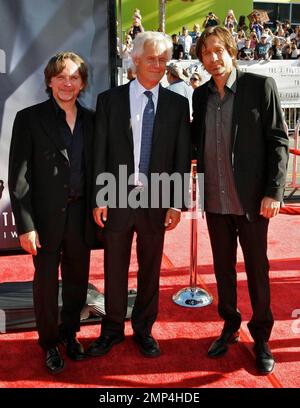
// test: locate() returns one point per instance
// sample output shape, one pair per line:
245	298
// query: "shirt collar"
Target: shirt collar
231	81
60	111
230	84
139	89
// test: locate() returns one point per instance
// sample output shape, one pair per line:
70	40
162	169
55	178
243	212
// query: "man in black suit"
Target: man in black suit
243	154
143	129
49	182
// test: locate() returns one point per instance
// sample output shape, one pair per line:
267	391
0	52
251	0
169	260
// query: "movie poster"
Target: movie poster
31	31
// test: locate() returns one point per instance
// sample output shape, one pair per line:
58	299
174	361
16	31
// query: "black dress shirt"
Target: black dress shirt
74	145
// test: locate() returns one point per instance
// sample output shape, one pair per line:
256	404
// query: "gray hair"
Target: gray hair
156	38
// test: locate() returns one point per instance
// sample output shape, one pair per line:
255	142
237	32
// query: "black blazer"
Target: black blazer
259	153
39	174
114	143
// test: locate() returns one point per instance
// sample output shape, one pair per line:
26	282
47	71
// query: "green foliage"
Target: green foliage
181	12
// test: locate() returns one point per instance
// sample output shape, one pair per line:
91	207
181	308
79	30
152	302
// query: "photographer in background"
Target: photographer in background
136	26
211	20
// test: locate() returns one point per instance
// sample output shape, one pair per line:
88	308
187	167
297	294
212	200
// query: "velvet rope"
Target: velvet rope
295	151
290	210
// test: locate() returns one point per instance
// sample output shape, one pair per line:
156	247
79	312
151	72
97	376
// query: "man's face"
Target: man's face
215	57
151	66
136	22
67	85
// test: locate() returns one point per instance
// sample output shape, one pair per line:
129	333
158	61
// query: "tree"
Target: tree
162	14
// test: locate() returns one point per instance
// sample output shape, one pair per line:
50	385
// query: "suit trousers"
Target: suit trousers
224	231
117	252
73	256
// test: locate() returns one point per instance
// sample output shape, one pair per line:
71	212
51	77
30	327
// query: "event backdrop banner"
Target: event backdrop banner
286	74
31	31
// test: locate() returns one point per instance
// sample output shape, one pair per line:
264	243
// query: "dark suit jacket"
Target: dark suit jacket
39	174
114	143
259	153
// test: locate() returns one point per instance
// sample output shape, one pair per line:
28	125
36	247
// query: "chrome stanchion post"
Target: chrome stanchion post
193	296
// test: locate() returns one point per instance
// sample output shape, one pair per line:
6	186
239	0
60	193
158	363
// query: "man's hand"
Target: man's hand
30	242
269	207
100	216
172	219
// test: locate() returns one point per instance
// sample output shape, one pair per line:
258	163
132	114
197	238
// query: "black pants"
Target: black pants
117	251
73	256
223	232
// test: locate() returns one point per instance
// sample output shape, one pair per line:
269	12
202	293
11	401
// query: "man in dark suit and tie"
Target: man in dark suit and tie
242	148
49	181
143	129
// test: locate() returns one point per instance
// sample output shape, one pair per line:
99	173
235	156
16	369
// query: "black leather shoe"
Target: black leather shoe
264	360
103	344
54	360
74	348
220	345
148	345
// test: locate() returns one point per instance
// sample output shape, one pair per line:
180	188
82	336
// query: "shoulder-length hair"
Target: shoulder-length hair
57	63
224	36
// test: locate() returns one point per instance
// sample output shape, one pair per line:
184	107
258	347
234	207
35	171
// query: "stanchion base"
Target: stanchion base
192	297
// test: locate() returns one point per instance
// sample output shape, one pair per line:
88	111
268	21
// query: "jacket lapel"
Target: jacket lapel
162	111
238	101
125	116
201	108
87	131
50	124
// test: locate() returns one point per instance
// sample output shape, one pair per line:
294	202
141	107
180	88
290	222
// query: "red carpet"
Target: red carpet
184	334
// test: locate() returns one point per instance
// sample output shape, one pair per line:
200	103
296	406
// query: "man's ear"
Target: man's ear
136	61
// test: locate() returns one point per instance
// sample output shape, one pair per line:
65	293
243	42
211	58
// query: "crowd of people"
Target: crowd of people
66	179
254	41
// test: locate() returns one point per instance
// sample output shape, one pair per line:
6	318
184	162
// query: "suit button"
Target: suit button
63	209
66	185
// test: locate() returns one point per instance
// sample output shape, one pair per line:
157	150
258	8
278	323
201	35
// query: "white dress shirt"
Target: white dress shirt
138	101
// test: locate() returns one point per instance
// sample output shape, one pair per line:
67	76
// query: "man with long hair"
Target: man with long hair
242	148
